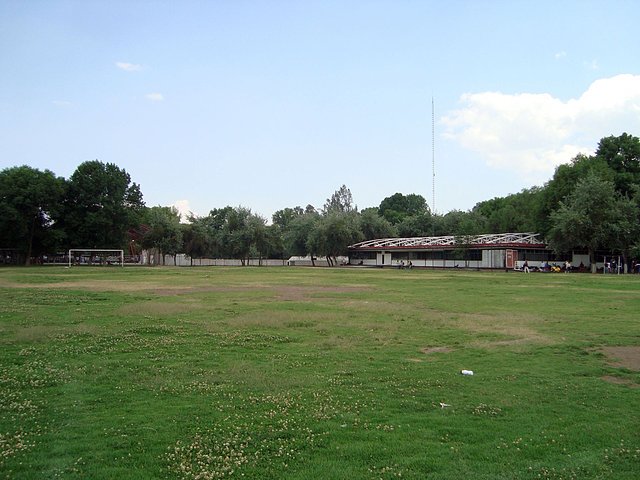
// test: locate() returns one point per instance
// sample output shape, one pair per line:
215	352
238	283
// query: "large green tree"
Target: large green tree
239	233
101	205
333	233
261	241
275	243
341	201
418	225
297	238
622	155
215	226
29	208
594	215
459	223
374	226
397	207
563	183
197	240
164	231
513	213
282	221
283	217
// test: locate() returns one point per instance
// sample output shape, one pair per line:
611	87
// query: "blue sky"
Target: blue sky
273	104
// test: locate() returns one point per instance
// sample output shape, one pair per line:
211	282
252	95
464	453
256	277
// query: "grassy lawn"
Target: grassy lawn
303	373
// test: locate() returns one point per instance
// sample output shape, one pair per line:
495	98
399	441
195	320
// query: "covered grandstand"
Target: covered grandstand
487	251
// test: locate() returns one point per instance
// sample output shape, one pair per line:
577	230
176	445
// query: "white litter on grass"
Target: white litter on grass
444	405
466	372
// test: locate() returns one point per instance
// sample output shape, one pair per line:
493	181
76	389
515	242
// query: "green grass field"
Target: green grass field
300	373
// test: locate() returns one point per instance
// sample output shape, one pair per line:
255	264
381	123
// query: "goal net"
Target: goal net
96	256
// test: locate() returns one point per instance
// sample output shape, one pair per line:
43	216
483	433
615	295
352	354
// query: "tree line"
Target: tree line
590	204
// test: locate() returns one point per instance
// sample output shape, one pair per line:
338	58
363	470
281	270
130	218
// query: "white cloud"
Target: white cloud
154	97
534	133
129	67
560	55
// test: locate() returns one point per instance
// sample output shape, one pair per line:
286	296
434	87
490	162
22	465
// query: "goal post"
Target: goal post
92	256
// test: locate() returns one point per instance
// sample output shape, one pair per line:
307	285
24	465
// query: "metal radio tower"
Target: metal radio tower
433	157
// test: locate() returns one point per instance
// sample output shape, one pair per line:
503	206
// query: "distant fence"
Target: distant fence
150	260
184	261
181	260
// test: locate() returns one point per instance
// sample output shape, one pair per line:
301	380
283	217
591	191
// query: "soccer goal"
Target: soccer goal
96	256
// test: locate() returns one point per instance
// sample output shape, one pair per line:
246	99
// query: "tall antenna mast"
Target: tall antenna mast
433	156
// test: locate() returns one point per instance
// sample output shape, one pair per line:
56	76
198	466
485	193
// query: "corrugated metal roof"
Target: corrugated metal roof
506	240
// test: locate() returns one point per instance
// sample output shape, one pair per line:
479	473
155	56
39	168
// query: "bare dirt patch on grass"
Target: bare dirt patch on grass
189	289
530	337
155	288
517	330
626	357
155	308
42	333
620	381
91	285
280	319
303	293
430	350
286	292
